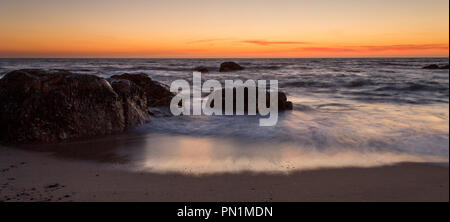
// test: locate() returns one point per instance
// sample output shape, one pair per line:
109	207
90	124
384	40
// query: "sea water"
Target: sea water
347	112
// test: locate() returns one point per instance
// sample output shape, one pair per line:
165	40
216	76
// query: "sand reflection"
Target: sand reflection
190	155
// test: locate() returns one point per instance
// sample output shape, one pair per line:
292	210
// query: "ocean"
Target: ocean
347	112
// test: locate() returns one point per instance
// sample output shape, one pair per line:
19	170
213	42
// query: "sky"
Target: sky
224	28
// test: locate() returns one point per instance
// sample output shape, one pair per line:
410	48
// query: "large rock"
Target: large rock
50	106
435	66
283	103
230	66
157	94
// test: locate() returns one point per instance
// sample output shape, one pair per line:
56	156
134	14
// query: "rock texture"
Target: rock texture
283	103
230	66
134	102
157	94
50	106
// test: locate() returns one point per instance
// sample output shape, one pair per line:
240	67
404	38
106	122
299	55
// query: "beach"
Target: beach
241	101
40	176
372	129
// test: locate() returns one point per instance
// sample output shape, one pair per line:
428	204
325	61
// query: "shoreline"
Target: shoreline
36	176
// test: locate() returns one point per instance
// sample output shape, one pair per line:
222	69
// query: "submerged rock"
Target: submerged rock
359	83
230	66
283	103
50	106
435	66
201	69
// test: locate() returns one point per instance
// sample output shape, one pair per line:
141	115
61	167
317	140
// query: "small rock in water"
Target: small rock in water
435	66
201	69
230	66
283	103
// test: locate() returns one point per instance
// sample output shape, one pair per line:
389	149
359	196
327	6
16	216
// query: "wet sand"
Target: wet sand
36	176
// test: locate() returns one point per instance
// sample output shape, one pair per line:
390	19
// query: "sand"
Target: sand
37	176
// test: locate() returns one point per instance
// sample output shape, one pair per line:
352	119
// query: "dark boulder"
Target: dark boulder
48	106
51	106
230	66
283	103
432	66
157	94
435	66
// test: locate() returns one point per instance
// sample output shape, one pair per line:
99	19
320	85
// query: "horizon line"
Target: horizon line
365	57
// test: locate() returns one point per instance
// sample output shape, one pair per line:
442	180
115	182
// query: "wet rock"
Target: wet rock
134	102
157	94
48	106
230	66
53	105
283	103
159	111
433	66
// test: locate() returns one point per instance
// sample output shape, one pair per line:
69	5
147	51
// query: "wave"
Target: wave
412	86
315	84
393	64
344	78
335	107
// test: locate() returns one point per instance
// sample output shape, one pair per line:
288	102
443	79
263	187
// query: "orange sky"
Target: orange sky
213	28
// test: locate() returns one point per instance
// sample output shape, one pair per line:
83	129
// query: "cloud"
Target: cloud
205	41
371	48
267	43
407	47
327	49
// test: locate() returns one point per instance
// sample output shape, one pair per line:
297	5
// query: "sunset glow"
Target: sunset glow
176	28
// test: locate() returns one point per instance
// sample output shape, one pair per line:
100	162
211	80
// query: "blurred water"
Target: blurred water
347	112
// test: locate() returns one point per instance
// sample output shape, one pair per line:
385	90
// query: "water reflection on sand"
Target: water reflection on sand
361	135
192	155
